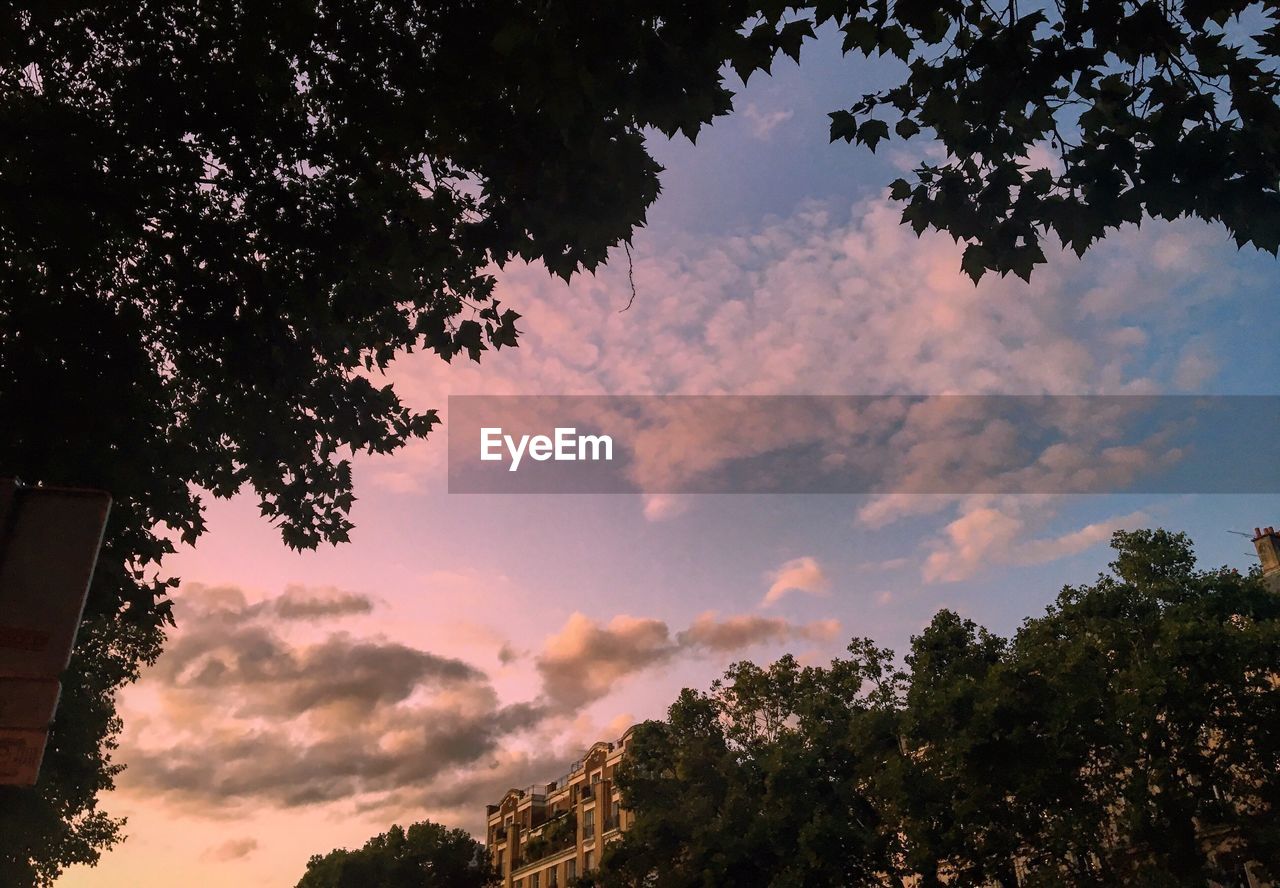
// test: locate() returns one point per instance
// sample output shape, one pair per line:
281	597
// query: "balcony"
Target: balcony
556	835
587	792
500	834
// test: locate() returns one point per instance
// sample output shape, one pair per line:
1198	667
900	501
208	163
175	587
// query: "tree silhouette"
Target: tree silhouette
220	222
1072	117
426	855
1126	737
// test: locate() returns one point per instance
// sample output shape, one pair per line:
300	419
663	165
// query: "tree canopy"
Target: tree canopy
1126	737
426	855
1140	110
220	222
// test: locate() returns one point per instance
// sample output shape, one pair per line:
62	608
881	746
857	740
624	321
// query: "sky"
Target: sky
461	645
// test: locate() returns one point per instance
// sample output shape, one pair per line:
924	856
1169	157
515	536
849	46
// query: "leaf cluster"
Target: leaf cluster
1071	118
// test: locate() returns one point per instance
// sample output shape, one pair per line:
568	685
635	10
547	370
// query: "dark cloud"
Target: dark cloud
413	748
735	633
303	603
508	654
269	675
253	715
229	604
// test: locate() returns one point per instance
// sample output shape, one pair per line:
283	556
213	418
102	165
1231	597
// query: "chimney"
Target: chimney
1267	542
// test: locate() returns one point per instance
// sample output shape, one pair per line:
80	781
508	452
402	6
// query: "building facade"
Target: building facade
550	834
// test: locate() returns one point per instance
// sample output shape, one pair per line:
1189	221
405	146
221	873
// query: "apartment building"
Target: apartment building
549	834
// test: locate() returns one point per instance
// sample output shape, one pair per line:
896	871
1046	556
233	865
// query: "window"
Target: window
589	823
570	870
552	874
586	861
500	852
533	880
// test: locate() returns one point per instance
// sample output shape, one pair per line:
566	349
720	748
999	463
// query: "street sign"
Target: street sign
49	541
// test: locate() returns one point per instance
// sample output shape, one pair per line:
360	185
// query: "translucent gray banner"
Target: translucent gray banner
955	444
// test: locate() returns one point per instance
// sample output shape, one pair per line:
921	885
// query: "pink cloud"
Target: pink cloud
585	660
996	532
802	574
741	314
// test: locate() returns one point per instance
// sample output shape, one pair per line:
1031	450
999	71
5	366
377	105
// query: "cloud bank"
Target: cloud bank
248	710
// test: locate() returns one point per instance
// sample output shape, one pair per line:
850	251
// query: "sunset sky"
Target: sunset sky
465	644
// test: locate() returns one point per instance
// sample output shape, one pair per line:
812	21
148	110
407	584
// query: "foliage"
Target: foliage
763	781
562	830
426	855
1145	109
1125	737
557	835
219	223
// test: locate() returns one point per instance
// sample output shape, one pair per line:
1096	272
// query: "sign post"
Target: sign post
49	541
